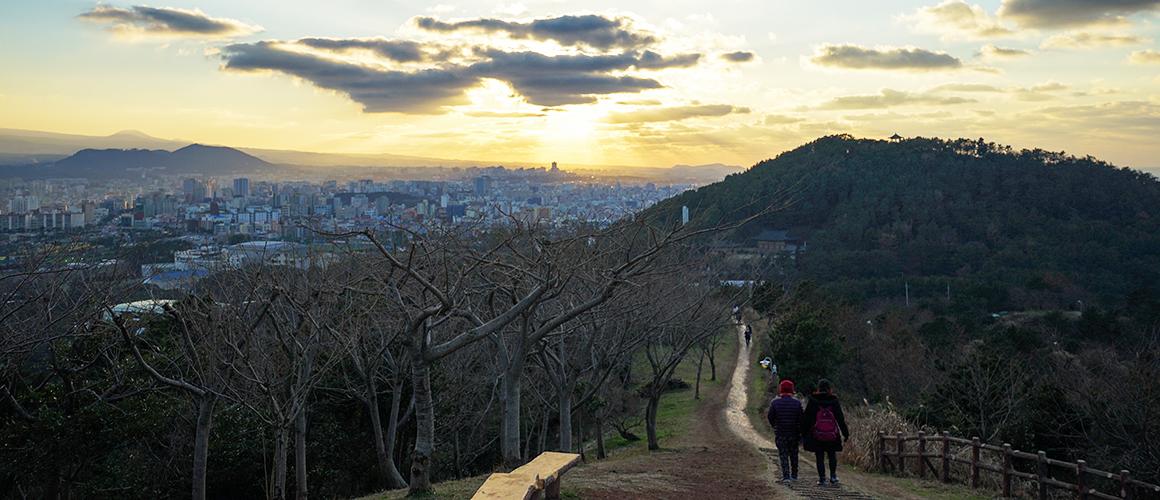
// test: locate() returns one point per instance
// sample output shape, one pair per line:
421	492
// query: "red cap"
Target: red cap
786	387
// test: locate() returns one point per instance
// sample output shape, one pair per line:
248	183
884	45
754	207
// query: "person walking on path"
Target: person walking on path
748	334
823	429
785	415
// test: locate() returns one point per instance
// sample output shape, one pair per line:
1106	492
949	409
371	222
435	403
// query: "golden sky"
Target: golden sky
620	83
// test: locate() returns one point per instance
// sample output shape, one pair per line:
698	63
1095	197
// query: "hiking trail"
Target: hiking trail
806	486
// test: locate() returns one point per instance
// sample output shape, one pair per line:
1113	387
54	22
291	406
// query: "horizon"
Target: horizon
642	85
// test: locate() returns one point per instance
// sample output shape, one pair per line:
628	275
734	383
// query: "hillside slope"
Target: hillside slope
1014	226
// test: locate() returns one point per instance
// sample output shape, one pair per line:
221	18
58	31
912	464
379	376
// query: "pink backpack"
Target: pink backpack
826	426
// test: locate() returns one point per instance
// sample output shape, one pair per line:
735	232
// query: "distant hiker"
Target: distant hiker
824	429
748	334
785	416
737	313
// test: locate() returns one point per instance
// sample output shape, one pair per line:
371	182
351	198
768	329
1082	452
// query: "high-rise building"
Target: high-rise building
482	185
242	187
194	190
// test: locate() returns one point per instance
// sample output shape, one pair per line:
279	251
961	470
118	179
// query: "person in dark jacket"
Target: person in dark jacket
785	415
823	429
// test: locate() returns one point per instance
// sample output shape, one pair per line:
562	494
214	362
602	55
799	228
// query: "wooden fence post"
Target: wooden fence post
881	451
921	454
1125	485
1041	474
1081	479
1007	466
901	450
975	462
946	457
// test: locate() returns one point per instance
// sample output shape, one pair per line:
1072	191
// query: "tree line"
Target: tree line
412	357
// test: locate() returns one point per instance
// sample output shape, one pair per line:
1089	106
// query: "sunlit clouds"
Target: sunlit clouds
608	83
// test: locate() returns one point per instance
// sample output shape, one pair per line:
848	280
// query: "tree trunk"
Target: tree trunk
580	436
650	422
565	402
281	443
600	454
697	387
424	427
205	406
712	364
300	456
510	420
393	474
372	405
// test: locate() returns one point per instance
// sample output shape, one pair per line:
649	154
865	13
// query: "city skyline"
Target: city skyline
645	83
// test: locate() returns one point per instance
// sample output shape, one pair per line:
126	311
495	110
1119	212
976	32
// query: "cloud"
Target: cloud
887	58
1072	13
739	56
1088	40
994	52
592	30
1041	92
1145	57
675	113
957	19
569	79
544	80
378	90
395	50
967	87
890	98
165	21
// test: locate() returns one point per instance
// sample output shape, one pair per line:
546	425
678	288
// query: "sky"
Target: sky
650	83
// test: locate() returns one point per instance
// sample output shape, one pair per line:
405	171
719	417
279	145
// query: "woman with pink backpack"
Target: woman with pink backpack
824	429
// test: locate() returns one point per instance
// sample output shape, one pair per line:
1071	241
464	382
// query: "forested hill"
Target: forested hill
1024	228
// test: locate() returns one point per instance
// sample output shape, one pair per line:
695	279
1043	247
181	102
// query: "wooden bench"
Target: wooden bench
538	479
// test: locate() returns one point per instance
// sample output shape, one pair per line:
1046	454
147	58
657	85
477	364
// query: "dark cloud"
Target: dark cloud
890	98
378	90
544	80
591	30
166	21
651	60
738	57
994	52
675	113
1072	13
395	50
895	59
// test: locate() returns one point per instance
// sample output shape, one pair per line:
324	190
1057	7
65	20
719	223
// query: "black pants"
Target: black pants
833	456
787	454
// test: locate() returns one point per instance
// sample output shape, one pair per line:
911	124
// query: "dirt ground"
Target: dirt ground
710	462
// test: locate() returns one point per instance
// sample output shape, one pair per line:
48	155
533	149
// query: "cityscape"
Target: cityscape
602	250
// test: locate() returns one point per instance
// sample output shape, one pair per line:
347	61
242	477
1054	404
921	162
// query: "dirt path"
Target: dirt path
740	424
704	462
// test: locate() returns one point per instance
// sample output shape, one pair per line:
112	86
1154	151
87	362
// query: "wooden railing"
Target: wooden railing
944	450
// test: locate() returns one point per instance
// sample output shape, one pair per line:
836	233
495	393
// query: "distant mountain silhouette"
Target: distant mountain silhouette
195	159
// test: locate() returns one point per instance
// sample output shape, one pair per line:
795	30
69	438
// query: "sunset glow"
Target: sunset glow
610	83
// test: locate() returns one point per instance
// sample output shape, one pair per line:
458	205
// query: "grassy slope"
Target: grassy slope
674	419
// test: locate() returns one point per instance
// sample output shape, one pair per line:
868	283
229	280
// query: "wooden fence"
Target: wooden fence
935	455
